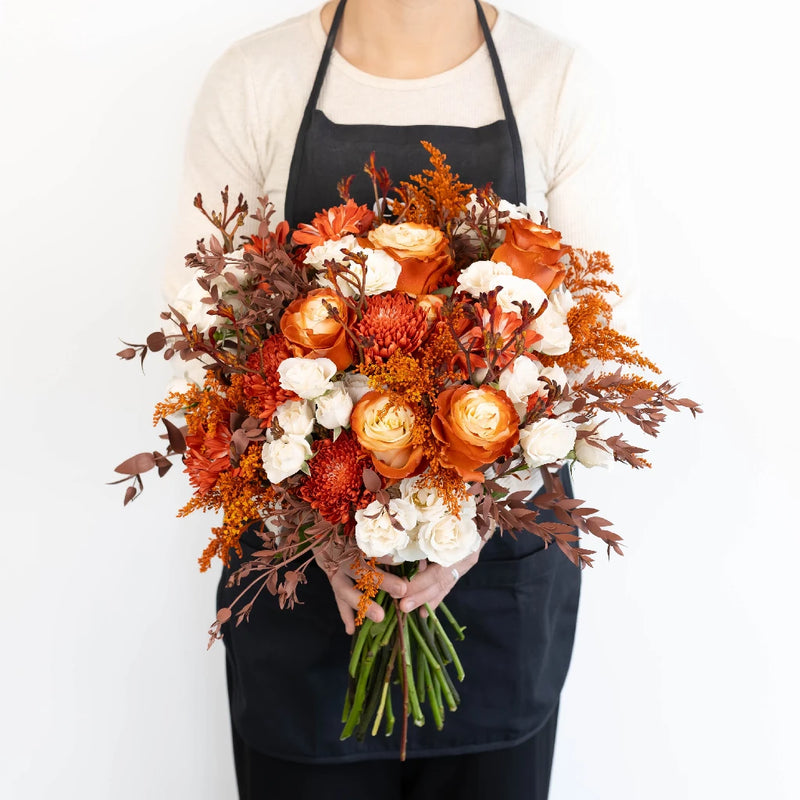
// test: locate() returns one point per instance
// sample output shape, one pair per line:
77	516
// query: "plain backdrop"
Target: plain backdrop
683	682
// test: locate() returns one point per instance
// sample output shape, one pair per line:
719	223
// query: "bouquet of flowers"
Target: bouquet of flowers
387	383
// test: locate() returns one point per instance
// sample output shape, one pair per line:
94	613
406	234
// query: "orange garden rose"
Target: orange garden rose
423	253
475	426
311	331
384	427
533	252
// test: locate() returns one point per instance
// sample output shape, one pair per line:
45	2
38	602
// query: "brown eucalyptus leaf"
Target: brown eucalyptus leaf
223	615
135	465
372	481
176	438
130	493
156	341
127	353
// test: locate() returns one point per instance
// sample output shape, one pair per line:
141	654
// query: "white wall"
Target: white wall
683	683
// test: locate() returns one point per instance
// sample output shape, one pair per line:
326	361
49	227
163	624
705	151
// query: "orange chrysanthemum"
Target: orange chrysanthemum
263	388
392	322
333	223
335	484
207	455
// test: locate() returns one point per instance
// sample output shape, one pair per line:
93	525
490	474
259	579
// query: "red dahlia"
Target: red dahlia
392	321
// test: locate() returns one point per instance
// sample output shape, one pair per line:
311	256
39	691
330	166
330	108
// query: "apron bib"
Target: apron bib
287	673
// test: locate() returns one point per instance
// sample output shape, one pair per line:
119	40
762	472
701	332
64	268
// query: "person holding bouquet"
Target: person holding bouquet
287	113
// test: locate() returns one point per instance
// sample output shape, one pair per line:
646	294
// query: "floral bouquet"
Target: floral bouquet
390	383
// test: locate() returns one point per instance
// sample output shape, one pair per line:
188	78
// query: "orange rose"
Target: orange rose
533	252
384	428
311	331
422	251
475	427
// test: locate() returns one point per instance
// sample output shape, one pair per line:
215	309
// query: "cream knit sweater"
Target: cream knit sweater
243	130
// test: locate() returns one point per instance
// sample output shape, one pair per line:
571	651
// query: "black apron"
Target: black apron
287	673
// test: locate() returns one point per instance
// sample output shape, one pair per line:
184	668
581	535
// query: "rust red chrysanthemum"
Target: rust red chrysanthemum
392	322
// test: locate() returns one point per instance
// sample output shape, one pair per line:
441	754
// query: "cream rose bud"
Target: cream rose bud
590	455
284	457
376	534
478	276
332	250
333	408
357	385
426	500
296	417
516	290
382	272
307	377
448	539
520	380
189	302
552	325
546	441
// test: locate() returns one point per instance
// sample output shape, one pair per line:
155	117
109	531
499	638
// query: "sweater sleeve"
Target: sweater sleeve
221	150
588	194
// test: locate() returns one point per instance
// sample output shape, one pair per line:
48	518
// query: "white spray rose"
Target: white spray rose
307	377
448	538
516	289
189	302
357	385
519	381
382	272
478	276
284	457
296	417
426	500
552	325
545	441
588	454
333	408
375	533
331	250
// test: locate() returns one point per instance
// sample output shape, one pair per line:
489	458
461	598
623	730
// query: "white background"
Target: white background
683	682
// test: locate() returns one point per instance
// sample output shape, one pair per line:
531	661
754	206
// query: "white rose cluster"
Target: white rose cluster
322	399
425	527
382	271
524	377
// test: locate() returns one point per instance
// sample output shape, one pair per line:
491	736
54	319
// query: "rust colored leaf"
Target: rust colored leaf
223	615
130	493
156	341
135	465
372	481
176	439
127	353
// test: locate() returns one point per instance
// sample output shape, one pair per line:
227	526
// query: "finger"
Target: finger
428	587
347	593
346	613
390	583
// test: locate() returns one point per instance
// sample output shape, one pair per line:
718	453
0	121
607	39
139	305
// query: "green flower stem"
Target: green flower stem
361	640
374	691
435	667
413	697
390	620
386	691
438	718
459	629
348	698
389	714
446	643
361	688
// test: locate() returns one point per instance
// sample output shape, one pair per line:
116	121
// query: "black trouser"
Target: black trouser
512	773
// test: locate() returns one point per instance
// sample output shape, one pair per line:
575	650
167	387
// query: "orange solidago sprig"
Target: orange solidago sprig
433	196
368	582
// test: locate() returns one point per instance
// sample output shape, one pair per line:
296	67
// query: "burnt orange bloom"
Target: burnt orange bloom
335	487
263	386
475	427
311	331
422	251
481	346
392	322
333	223
207	456
533	252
